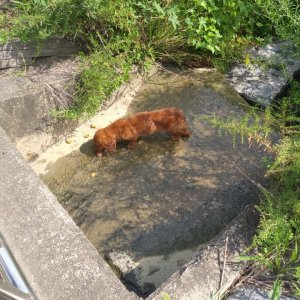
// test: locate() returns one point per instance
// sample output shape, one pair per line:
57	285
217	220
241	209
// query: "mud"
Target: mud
162	199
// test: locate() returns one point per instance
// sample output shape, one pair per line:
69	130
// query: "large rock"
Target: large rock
267	75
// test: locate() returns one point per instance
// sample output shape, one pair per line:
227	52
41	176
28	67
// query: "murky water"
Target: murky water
161	200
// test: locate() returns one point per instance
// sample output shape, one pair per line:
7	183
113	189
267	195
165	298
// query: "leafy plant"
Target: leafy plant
166	296
252	127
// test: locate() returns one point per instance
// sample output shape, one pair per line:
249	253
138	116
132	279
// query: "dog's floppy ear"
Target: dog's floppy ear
111	147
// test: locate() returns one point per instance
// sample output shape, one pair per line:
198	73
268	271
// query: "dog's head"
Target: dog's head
104	142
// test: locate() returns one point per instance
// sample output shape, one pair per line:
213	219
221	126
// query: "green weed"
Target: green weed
278	235
102	74
284	15
121	32
189	32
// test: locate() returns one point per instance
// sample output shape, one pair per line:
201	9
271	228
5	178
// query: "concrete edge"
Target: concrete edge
201	277
55	257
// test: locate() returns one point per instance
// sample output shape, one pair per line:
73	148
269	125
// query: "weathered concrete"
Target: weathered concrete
25	108
16	53
55	257
212	158
267	75
26	104
205	277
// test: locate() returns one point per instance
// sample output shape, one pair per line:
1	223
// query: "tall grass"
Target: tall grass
284	15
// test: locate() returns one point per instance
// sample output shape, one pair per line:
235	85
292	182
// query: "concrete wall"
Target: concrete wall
15	53
56	258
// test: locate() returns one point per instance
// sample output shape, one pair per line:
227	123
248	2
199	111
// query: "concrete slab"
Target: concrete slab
205	277
60	263
16	53
25	109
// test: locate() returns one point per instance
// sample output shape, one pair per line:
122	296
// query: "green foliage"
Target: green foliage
210	25
285	17
142	31
138	32
288	110
207	25
276	290
278	237
166	296
103	73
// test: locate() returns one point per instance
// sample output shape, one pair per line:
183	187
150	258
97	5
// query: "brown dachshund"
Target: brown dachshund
168	119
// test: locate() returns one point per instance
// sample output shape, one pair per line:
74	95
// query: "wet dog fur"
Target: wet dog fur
130	128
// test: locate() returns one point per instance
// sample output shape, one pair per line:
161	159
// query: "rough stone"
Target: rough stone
282	56
255	85
267	75
121	261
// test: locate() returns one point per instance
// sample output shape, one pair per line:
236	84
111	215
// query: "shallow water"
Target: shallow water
162	200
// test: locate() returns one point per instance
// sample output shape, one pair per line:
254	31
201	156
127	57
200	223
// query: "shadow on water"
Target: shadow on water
162	196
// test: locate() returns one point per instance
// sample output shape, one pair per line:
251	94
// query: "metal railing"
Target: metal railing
13	285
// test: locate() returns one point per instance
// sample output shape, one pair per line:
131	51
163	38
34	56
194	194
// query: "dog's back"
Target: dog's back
169	119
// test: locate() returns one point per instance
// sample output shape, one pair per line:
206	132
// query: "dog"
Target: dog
170	119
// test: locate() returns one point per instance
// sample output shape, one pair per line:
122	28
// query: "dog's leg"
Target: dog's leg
179	133
186	133
132	143
152	128
175	137
112	146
